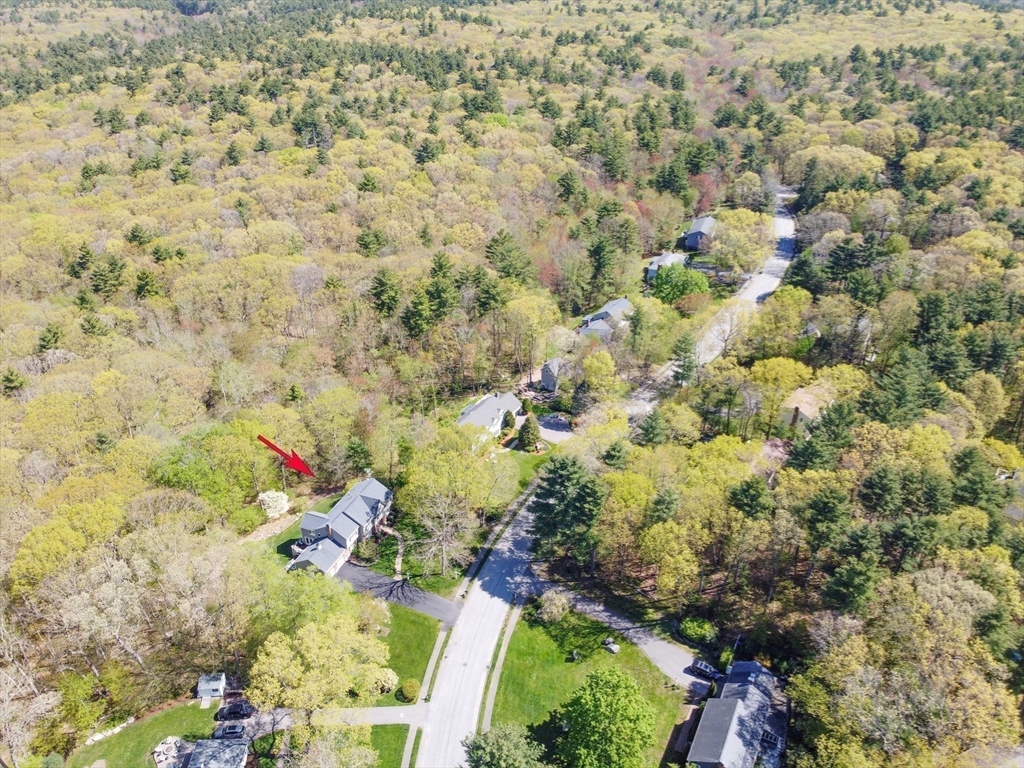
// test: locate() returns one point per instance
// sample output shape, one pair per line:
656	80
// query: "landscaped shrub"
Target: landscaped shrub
367	550
697	630
410	691
247	519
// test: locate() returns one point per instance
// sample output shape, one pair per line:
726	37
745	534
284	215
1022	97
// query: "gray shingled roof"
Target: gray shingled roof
616	308
488	411
729	733
313	522
705	224
359	504
219	753
668	257
323	554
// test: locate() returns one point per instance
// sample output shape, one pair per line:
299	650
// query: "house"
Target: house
745	722
606	320
667	258
328	540
804	405
211	686
701	231
549	374
489	411
219	753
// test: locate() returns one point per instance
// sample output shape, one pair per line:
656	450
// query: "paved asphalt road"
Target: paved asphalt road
726	323
462	674
401	592
458	692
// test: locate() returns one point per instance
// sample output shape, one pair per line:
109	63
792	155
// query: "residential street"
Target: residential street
402	592
458	693
459	689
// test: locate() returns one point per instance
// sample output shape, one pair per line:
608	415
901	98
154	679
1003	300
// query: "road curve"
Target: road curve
458	693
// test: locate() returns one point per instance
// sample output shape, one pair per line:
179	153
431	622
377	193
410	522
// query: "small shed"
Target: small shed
701	231
211	686
549	374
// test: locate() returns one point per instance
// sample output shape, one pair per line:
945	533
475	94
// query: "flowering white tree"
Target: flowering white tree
274	503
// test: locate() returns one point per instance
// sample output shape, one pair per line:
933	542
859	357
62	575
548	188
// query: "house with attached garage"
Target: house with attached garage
328	540
607	319
664	260
489	411
745	724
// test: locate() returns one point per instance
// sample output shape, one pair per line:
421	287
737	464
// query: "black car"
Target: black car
229	731
237	710
703	669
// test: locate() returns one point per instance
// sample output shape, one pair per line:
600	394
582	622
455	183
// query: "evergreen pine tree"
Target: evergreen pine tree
654	429
685	353
92	326
233	154
295	394
529	433
417	316
12	382
49	338
385	292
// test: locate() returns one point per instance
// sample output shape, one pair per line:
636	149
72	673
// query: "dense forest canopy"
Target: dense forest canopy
335	223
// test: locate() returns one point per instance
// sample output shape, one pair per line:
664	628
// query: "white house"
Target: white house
328	540
489	411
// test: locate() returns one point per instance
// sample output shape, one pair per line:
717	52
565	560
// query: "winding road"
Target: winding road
453	711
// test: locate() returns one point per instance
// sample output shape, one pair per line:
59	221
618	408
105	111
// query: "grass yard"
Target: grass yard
411	640
389	741
539	675
420	573
529	464
131	747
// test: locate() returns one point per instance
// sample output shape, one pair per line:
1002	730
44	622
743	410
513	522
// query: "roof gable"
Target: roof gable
489	409
704	225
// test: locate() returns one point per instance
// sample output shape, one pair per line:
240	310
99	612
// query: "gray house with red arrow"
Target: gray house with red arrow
328	540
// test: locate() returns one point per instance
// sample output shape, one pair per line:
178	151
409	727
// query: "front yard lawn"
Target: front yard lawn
131	747
529	464
411	640
539	675
419	572
389	741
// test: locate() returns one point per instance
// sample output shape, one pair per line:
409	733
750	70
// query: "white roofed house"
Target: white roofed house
489	411
328	540
666	259
805	405
607	319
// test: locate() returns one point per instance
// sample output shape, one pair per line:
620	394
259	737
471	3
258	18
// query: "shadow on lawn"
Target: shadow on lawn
574	632
547	734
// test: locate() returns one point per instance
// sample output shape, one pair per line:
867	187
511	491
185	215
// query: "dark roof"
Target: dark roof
219	753
729	733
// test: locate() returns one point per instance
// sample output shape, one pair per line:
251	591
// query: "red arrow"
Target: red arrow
291	462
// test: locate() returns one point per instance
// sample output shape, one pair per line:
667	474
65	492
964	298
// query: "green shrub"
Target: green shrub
725	658
247	519
697	630
410	691
367	550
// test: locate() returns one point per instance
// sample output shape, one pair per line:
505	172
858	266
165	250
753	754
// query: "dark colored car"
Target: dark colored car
230	731
237	710
703	669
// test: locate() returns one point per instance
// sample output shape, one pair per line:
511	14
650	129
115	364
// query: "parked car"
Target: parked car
703	669
229	731
236	710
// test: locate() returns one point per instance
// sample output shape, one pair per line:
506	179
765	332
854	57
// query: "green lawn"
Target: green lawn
411	640
283	541
131	747
529	464
420	573
539	675
389	741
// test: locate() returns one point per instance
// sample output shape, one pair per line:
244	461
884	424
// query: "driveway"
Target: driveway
554	428
671	658
400	592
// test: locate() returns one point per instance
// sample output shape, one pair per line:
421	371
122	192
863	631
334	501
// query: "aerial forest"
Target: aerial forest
335	224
